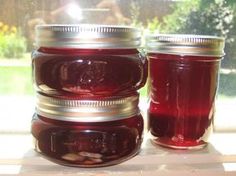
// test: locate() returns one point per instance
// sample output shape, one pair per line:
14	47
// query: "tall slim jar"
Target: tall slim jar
184	71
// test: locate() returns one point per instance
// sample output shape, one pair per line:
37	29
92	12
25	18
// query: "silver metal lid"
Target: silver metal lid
196	45
87	36
87	110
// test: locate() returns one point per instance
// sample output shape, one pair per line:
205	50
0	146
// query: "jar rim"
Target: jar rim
87	110
87	36
185	44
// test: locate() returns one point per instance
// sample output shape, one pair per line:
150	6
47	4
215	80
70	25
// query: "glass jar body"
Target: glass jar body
183	91
88	73
92	144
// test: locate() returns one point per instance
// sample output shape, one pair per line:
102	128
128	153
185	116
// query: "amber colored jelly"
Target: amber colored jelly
183	90
87	144
88	73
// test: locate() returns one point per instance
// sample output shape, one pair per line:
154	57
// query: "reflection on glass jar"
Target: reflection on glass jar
89	72
88	144
87	133
88	61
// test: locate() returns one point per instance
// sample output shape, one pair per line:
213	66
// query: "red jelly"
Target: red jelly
88	61
87	133
184	79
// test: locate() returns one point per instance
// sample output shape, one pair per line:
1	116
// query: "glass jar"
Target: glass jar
88	61
184	73
87	133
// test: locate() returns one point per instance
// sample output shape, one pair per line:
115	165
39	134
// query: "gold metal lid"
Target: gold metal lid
87	36
196	45
87	110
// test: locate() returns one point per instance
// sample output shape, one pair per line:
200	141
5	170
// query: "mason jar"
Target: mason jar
87	133
184	73
88	61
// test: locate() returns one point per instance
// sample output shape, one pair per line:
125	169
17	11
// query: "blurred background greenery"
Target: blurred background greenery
12	43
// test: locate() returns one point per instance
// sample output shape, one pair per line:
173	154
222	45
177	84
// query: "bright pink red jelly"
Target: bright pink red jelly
183	90
89	73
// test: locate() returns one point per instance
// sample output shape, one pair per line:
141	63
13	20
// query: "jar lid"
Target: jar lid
87	36
87	110
196	45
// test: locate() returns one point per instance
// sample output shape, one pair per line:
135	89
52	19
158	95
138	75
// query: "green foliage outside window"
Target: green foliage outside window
203	17
12	43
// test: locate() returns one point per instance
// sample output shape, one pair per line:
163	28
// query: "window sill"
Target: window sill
17	157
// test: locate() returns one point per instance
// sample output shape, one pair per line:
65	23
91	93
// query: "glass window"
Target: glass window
19	18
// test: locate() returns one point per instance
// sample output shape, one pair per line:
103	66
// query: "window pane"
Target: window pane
18	19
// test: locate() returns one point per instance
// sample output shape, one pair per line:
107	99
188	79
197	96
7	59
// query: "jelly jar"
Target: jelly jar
88	61
87	133
184	73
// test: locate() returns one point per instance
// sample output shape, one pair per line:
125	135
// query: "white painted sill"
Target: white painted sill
17	157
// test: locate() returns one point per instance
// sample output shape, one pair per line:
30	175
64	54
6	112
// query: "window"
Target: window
18	19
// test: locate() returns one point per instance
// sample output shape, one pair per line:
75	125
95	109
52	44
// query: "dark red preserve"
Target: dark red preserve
86	78
87	133
183	82
88	61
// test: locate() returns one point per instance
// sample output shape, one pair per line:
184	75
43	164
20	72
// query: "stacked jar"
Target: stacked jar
86	78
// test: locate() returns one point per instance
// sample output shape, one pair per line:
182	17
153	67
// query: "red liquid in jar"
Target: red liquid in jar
182	99
88	144
88	73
